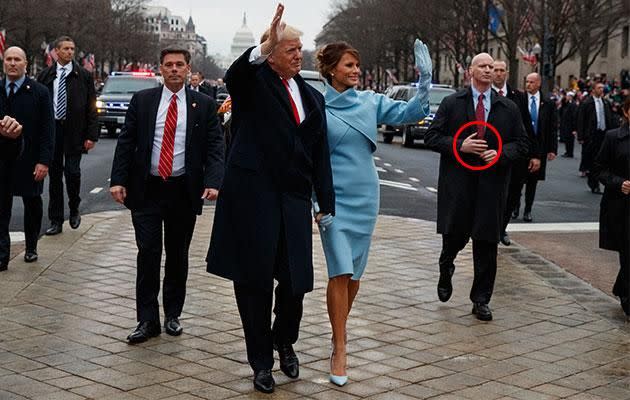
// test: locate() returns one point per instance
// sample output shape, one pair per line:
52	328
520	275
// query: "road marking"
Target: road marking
377	158
379	169
414	179
431	189
554	227
398	185
16	236
400	171
387	164
96	190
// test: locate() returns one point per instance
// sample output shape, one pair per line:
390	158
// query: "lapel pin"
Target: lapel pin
194	105
28	87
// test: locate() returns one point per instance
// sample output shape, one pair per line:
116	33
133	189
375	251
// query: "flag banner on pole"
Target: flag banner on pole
3	42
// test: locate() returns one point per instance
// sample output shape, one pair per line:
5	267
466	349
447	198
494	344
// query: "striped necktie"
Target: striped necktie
165	165
60	113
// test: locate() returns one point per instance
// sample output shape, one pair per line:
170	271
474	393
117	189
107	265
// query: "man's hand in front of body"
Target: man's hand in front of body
118	193
472	145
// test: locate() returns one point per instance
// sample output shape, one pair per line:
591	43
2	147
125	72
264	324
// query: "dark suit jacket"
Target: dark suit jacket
204	146
273	168
31	107
473	202
568	120
9	148
546	140
81	118
612	167
202	89
587	118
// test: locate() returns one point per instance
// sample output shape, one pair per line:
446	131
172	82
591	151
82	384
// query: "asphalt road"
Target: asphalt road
563	197
408	186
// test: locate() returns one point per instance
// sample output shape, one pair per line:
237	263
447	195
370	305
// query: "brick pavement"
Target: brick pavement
65	319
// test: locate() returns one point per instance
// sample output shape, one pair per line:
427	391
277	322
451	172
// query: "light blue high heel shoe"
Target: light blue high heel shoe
338	380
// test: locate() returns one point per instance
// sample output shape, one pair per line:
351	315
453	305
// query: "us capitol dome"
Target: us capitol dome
243	40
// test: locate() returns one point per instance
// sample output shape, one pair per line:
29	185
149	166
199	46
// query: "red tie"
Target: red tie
296	114
480	115
501	92
165	167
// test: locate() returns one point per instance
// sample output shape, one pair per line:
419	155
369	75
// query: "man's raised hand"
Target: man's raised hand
275	31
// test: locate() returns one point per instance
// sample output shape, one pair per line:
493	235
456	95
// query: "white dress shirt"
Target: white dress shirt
601	115
68	68
256	57
179	151
503	90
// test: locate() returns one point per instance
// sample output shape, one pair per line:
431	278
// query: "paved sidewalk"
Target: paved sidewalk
65	319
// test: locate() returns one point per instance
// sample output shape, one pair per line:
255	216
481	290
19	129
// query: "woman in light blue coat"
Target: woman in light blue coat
352	120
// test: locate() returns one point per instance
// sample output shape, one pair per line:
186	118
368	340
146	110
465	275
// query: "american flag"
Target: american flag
526	22
3	42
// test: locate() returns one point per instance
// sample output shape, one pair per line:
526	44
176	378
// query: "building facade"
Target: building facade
174	31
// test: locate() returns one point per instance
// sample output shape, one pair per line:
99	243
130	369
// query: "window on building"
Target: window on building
625	39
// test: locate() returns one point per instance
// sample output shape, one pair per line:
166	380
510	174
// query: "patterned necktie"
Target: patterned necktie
533	112
501	92
165	166
601	121
480	115
296	114
61	96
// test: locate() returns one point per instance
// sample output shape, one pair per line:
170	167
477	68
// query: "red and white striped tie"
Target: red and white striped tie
165	166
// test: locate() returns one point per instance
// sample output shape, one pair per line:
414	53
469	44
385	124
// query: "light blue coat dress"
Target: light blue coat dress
352	118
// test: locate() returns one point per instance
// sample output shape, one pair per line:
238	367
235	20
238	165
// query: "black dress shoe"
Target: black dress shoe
527	217
263	381
505	239
482	311
30	256
55	228
173	327
289	363
445	286
144	331
4	266
75	220
515	214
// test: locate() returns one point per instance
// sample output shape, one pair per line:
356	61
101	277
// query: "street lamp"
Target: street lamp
537	49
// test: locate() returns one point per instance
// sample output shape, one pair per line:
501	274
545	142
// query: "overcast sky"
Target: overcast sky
218	20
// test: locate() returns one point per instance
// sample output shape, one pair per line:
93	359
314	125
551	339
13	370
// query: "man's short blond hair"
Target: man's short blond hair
289	33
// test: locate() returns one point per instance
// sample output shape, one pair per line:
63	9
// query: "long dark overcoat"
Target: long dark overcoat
32	108
472	203
612	167
81	117
273	168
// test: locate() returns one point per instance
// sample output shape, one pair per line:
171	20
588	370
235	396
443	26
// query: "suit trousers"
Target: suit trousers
589	154
518	176
569	145
484	260
254	306
531	182
6	202
166	210
68	166
622	283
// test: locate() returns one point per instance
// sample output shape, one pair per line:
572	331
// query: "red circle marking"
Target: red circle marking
472	167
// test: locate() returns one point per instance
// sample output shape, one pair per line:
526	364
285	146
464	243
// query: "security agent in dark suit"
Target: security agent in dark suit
73	96
471	204
499	84
262	228
29	103
595	117
10	147
543	118
196	84
169	157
